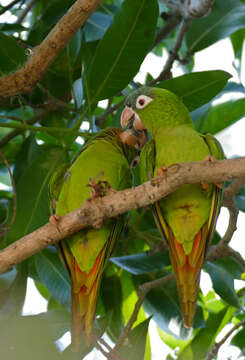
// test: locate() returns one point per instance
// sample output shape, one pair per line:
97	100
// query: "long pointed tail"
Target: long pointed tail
187	272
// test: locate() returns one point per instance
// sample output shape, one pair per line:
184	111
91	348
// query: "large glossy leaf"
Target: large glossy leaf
238	339
32	192
223	283
27	337
135	348
53	275
96	26
142	263
198	88
12	296
237	40
7	279
163	304
221	116
240	202
122	49
225	18
12	55
205	338
111	294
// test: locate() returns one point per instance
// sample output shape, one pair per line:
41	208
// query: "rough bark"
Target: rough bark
94	211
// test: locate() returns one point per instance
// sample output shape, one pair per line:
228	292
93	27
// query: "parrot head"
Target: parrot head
152	108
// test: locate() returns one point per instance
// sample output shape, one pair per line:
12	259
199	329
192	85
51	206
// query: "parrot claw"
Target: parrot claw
161	170
54	219
209	158
204	185
100	188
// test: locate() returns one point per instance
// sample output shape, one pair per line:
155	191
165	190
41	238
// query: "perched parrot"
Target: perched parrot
187	217
105	159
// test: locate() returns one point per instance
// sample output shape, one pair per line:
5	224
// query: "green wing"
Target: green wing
84	254
215	150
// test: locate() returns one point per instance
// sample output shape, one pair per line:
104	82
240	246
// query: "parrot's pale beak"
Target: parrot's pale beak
127	117
130	119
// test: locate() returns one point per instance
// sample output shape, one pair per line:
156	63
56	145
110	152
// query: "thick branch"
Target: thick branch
94	211
24	79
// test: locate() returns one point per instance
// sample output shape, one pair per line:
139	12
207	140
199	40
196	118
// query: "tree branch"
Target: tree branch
24	79
94	211
25	11
142	292
173	55
9	6
168	27
217	346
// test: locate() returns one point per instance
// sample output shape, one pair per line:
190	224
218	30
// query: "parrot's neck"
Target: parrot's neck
166	123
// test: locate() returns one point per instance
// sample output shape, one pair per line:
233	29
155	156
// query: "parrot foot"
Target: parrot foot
204	185
161	170
100	188
133	137
54	219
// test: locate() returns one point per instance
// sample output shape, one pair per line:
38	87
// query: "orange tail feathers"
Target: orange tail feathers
84	294
187	272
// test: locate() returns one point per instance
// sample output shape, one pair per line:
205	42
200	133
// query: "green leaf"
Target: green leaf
111	294
32	192
237	40
135	349
12	55
223	283
96	26
53	275
7	279
225	18
122	49
221	116
205	338
142	263
198	88
238	339
12	297
25	337
231	266
240	202
163	304
29	151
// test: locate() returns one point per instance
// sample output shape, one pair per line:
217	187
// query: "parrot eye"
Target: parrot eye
142	101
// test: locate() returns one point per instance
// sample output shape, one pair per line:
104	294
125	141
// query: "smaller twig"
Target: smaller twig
100	119
9	6
25	11
4	231
173	53
22	127
108	355
142	292
167	28
15	118
236	256
12	134
232	190
217	346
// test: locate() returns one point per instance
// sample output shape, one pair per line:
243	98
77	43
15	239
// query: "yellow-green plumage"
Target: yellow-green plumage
103	158
186	217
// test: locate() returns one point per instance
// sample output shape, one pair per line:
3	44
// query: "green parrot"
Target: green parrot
103	161
187	217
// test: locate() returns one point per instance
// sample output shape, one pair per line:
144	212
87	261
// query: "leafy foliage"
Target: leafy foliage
100	63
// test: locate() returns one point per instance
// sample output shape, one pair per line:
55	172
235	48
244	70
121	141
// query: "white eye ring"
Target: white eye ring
142	101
